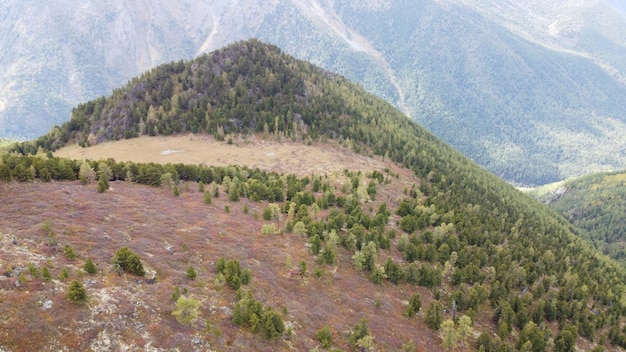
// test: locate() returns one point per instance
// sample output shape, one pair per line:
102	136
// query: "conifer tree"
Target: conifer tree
76	292
103	183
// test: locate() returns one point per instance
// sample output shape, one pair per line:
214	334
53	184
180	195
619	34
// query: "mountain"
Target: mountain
414	216
532	91
596	204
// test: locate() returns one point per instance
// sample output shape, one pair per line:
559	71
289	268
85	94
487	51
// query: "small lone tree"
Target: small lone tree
103	183
325	337
191	273
90	267
415	304
126	259
186	310
76	292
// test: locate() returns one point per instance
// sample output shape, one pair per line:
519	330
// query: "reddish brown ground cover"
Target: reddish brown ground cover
169	234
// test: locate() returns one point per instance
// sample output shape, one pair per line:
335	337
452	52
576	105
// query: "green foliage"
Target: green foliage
89	267
33	270
69	252
324	336
186	311
86	174
414	306
191	273
234	276
495	244
449	334
595	204
45	273
434	318
64	274
103	183
76	292
377	275
249	312
126	259
360	334
175	294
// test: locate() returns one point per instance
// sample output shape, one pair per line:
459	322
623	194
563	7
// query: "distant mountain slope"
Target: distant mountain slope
431	221
533	91
597	205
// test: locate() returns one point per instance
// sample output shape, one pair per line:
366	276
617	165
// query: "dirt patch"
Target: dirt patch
252	151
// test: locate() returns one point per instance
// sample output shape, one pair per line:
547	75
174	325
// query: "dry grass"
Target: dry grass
251	151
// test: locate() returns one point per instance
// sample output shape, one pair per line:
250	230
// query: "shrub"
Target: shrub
64	274
325	336
191	273
415	304
45	273
360	334
90	267
186	310
69	252
126	259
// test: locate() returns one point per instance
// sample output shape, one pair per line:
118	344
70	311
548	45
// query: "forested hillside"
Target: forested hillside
596	204
532	91
457	234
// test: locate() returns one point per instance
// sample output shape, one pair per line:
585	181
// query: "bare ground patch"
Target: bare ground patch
252	151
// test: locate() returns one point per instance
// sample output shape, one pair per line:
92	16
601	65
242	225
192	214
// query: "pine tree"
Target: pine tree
90	267
103	183
126	259
433	315
449	335
76	292
191	273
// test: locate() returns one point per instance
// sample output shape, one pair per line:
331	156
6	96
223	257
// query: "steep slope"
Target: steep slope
430	222
596	204
532	91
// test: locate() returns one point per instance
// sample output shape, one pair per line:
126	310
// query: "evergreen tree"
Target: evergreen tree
191	273
433	317
76	292
126	259
449	335
103	183
90	267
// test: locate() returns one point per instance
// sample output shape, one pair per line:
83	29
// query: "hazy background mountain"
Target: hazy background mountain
534	91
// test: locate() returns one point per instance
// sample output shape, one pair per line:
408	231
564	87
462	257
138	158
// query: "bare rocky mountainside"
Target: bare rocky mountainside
534	91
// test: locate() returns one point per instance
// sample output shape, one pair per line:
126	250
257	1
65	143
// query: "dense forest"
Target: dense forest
477	243
596	204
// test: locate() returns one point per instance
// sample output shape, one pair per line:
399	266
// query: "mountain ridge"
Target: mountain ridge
430	221
533	85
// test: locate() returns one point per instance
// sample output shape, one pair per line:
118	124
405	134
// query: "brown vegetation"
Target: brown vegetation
170	234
